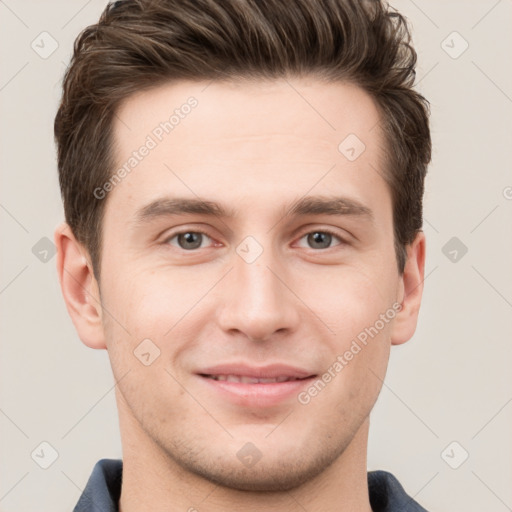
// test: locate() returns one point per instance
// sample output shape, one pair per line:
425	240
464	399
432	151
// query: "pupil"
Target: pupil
190	240
320	240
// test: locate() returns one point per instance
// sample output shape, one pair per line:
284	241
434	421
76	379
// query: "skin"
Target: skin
254	148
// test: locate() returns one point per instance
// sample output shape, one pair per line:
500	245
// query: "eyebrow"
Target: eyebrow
311	205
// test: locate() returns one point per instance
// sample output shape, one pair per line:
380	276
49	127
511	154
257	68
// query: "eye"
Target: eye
188	240
320	239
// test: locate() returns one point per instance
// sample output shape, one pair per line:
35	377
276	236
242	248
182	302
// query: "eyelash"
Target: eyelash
326	231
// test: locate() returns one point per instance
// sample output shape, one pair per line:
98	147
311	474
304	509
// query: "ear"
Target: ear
79	287
410	292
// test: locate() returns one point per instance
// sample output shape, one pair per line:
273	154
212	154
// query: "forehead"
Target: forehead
302	106
278	138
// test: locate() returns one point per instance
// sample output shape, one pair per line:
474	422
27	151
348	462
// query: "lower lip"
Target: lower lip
257	395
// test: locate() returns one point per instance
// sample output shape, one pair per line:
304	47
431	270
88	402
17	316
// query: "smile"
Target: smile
251	380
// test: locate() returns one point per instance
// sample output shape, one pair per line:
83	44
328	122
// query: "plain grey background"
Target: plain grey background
448	392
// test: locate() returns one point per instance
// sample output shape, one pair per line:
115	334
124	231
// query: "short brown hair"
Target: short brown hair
140	44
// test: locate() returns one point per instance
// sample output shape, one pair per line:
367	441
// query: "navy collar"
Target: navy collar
103	491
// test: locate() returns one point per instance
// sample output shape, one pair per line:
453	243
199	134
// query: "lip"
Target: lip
256	394
270	371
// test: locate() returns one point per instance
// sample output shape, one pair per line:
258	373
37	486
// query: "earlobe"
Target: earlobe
411	291
79	288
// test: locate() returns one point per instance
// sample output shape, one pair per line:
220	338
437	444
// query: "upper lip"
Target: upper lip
270	371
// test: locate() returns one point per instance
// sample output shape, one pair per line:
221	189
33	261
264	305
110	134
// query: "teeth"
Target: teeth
250	380
245	380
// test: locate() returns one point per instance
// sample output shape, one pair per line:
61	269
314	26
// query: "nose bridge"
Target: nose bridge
258	303
258	285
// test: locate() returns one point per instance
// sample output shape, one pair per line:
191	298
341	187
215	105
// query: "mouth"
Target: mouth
245	379
255	387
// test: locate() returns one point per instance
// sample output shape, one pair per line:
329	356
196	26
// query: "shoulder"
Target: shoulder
103	489
388	495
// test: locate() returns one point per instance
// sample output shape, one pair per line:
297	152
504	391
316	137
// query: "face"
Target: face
249	280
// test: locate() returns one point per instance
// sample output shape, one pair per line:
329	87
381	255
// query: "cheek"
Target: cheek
348	299
352	304
159	313
150	303
141	310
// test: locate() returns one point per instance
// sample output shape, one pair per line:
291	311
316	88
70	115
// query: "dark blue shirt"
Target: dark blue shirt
104	489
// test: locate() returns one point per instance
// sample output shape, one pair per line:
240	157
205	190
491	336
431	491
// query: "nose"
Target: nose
258	302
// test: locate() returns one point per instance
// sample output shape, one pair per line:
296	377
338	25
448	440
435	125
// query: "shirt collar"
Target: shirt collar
103	490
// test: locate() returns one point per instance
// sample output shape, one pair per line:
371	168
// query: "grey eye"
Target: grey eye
319	240
188	240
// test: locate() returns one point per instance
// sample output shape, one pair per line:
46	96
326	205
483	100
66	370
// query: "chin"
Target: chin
265	476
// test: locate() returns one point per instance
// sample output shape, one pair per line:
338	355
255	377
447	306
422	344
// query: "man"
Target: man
242	184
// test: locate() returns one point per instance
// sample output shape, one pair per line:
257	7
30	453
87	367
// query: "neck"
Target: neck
154	481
